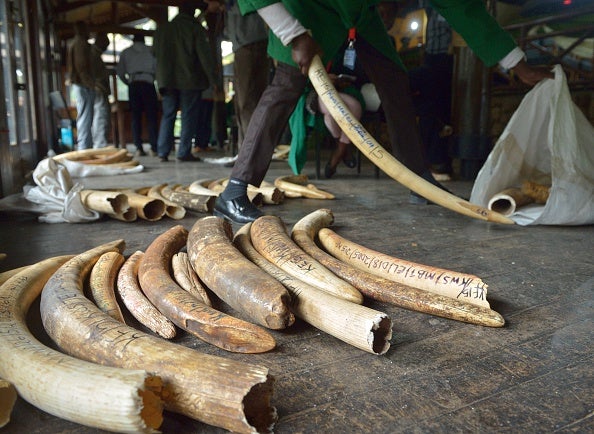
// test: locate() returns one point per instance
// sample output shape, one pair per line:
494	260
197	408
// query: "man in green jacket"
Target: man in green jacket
185	67
300	29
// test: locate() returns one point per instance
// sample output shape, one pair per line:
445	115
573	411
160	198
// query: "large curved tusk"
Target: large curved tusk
460	286
360	326
8	396
138	305
382	158
271	240
82	392
235	279
103	282
381	289
215	390
84	154
5	275
117	156
185	310
187	278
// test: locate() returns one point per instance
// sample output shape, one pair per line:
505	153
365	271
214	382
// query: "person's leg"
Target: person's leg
264	132
391	83
101	120
151	106
85	101
268	123
252	65
170	101
135	100
189	104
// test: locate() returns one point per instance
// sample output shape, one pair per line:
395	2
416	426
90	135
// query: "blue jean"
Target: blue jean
85	100
188	101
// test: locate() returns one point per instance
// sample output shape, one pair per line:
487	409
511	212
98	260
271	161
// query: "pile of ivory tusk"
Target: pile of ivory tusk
111	316
107	157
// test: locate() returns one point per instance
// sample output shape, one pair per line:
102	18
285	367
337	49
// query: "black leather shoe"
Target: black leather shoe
239	210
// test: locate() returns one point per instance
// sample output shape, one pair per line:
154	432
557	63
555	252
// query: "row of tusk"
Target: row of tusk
357	325
172	209
185	310
137	303
217	391
382	158
236	280
271	240
69	388
378	288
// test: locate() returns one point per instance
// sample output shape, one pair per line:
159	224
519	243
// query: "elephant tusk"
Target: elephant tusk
235	279
506	201
185	310
271	240
137	303
298	184
360	326
385	290
214	390
67	387
172	209
102	284
187	278
382	158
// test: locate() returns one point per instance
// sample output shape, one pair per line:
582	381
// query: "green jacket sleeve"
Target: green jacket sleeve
480	30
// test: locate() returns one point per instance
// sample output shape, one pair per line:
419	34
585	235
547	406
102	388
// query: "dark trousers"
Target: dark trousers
281	96
143	99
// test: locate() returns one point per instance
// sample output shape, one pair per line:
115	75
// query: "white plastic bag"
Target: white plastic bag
548	140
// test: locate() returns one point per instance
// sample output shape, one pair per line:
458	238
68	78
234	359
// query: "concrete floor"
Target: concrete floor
536	374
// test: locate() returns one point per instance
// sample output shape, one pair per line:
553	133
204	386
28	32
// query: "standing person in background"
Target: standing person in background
83	84
136	68
249	36
185	67
101	108
301	29
204	122
431	85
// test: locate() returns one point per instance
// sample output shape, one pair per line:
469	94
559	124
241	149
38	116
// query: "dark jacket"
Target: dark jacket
184	58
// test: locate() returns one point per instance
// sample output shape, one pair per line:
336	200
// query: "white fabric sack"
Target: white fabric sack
548	140
57	197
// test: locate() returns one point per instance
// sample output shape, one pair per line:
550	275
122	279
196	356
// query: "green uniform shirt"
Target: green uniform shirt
330	20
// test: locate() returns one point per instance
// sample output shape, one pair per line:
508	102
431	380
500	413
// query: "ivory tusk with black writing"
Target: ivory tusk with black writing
460	286
270	238
385	290
357	325
382	158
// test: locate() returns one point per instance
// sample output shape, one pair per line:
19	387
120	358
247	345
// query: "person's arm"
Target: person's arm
290	32
487	39
121	69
